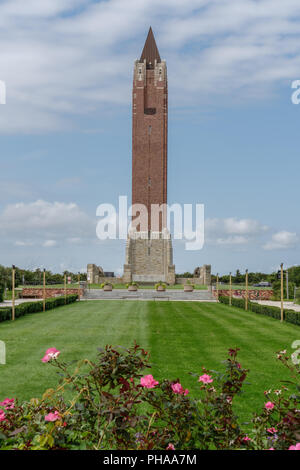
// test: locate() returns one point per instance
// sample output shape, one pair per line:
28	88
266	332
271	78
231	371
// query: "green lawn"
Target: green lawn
181	336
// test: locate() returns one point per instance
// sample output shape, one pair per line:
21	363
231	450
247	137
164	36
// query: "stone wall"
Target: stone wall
241	293
149	259
203	274
38	292
111	280
94	274
184	280
199	281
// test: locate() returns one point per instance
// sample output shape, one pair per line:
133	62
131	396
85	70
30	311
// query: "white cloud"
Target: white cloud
42	220
234	226
282	240
23	243
64	58
49	243
74	241
232	231
243	226
233	240
35	8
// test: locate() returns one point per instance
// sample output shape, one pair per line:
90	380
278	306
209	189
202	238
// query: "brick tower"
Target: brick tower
149	254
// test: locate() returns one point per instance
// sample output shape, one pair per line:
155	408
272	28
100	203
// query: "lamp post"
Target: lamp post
247	291
217	286
13	274
230	289
281	292
44	290
78	286
65	287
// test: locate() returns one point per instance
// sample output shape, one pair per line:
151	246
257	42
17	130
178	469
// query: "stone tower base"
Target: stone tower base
149	258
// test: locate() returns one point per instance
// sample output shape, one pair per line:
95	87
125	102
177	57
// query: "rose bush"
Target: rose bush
115	405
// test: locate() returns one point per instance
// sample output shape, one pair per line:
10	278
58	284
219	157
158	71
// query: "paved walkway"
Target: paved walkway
273	303
149	294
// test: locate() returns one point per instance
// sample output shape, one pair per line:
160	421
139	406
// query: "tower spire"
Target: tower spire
150	52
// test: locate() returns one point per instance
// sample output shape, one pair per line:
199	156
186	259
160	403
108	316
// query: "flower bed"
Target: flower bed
50	292
253	294
115	405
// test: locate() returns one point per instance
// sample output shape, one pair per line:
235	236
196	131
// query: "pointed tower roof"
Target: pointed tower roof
150	51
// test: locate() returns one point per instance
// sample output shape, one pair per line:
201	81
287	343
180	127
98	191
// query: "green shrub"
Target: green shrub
5	313
160	284
289	316
106	284
277	290
35	307
115	406
132	283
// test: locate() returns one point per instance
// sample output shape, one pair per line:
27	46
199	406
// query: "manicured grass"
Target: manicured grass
181	336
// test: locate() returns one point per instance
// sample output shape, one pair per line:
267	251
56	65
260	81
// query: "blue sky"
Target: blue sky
65	131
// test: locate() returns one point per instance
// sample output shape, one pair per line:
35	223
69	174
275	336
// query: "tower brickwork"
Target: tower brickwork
149	254
150	129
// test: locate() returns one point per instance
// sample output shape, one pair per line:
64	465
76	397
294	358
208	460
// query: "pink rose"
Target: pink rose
8	403
53	416
148	381
2	415
269	405
206	379
177	388
170	447
296	447
272	430
246	439
51	353
271	448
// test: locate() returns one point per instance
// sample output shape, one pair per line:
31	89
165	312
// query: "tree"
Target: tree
238	278
294	275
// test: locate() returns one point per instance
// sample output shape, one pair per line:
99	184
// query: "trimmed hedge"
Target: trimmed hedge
35	307
289	316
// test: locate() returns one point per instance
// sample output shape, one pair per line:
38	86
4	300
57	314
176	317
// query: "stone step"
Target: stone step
148	294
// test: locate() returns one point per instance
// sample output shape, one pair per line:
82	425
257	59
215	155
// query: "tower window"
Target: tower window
150	111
